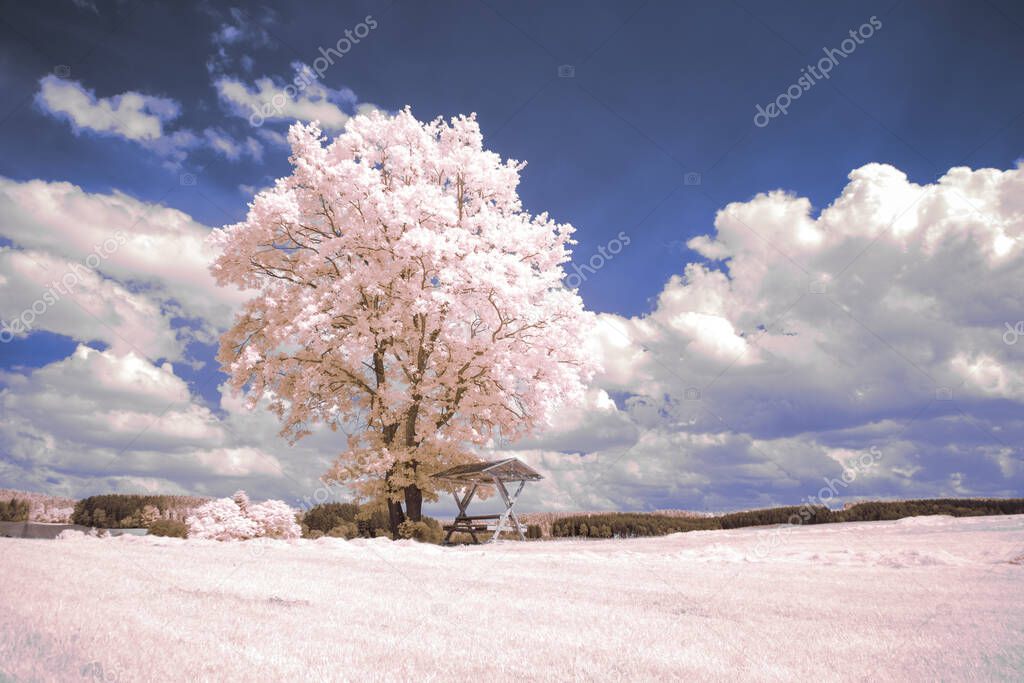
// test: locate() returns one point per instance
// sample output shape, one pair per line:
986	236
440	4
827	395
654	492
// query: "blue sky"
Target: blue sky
634	117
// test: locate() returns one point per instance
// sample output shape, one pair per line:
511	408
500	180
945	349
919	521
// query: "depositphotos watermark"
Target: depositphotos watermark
60	288
605	253
810	75
1013	333
323	494
768	539
307	75
96	671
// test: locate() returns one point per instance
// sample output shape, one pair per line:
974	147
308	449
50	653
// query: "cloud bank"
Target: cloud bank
795	341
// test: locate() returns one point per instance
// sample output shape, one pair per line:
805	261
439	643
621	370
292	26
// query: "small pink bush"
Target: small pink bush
235	519
220	520
274	519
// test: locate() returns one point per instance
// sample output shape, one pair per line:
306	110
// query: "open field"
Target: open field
922	598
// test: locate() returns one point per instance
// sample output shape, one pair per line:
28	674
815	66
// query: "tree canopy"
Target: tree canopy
404	297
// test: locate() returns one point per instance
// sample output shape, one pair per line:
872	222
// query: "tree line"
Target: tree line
637	524
628	525
129	511
164	515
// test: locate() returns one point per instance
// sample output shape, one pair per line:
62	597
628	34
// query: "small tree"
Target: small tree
221	520
404	297
326	516
150	515
14	510
168	527
274	519
225	519
241	499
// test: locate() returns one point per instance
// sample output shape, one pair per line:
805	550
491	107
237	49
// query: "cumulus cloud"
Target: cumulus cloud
597	423
138	118
238	30
131	274
101	415
305	99
269	100
161	255
893	292
877	323
273	137
131	115
232	149
40	291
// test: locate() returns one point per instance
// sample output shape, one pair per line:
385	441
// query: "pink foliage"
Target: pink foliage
274	519
220	520
405	296
224	519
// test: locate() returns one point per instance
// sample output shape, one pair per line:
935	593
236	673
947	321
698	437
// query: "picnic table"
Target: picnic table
497	473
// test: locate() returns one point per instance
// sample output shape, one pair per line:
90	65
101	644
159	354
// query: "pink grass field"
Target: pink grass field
923	598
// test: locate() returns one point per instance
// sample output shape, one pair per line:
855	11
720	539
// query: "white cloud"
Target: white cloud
113	420
239	29
273	137
271	102
100	414
227	35
164	255
239	462
936	280
45	292
232	149
305	99
596	424
130	115
138	118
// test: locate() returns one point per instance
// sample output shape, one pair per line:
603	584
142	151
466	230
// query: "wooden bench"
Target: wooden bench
470	524
465	527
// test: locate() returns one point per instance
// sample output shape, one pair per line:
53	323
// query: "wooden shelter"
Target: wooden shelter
497	474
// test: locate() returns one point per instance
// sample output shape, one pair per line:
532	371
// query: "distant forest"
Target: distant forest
633	524
22	506
348	520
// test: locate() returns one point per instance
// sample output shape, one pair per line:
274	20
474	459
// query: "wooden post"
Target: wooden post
509	512
462	503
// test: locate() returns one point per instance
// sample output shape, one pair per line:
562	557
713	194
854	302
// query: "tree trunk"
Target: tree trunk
413	502
395	516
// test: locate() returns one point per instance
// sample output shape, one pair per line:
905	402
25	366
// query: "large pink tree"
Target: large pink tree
404	297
